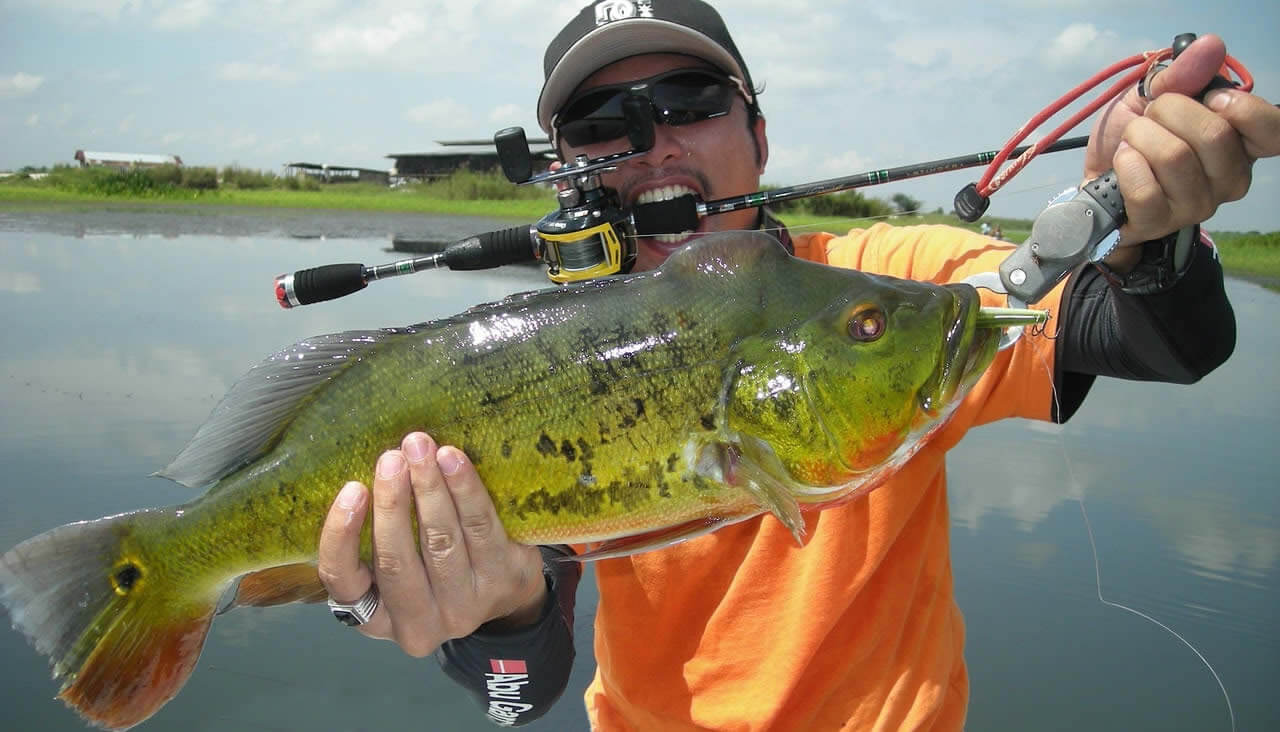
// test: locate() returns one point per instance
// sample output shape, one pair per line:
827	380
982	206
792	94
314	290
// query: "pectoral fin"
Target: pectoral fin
770	492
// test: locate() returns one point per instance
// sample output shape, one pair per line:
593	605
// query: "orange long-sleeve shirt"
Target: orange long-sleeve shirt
859	629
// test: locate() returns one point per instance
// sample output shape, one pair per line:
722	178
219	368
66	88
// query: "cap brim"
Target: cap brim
616	41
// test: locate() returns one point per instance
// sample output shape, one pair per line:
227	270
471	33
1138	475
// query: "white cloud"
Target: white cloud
19	84
845	163
376	40
441	113
241	71
1075	40
183	16
242	141
1084	45
33	120
505	113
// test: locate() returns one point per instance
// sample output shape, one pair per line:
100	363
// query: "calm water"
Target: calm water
122	328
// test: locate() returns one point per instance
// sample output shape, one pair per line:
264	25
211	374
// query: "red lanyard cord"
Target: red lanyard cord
1146	63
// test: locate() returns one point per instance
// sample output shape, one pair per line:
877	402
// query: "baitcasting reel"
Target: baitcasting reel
591	235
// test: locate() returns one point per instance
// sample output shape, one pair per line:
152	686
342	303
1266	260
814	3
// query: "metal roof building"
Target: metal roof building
339	173
477	155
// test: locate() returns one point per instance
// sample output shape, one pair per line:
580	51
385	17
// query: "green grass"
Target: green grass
344	196
1251	255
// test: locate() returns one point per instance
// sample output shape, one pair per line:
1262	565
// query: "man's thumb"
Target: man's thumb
1193	69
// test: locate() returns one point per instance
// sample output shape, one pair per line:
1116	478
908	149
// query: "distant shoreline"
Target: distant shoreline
1251	257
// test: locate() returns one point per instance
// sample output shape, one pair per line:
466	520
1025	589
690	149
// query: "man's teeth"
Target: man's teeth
666	193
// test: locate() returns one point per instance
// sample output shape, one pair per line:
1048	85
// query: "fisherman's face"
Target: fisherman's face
714	158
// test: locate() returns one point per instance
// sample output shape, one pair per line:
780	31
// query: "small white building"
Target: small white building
125	160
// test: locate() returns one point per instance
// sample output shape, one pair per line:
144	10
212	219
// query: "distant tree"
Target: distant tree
905	203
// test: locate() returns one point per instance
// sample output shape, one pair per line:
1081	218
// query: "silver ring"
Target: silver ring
1144	84
356	613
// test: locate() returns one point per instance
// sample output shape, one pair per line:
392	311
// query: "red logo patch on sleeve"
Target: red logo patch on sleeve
501	666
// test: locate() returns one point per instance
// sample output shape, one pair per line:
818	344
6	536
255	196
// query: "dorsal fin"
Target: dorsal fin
249	419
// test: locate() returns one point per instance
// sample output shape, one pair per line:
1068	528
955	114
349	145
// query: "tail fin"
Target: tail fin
121	639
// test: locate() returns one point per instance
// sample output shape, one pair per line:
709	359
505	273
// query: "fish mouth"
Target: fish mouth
967	349
972	336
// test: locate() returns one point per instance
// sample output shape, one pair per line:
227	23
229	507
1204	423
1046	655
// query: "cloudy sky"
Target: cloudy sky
850	86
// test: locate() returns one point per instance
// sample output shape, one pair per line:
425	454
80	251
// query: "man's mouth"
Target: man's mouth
666	193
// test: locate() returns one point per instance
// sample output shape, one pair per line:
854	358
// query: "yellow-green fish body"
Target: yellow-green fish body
635	411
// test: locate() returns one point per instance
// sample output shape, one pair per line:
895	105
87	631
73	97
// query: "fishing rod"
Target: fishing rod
575	256
592	235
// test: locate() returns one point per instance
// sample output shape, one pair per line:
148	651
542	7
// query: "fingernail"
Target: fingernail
415	448
349	496
1218	99
390	464
449	459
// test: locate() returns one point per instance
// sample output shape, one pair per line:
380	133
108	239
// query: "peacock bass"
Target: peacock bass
629	413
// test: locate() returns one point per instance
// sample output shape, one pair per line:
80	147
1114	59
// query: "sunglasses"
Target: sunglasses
678	97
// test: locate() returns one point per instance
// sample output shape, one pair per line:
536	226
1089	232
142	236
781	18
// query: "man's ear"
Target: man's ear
762	142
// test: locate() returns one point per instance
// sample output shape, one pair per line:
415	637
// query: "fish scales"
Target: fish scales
580	435
637	411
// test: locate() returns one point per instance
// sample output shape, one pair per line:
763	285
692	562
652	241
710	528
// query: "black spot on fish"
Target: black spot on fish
490	399
708	422
567	450
628	492
627	422
506	449
597	385
639	407
546	446
474	453
672	461
585	449
784	406
580	500
125	576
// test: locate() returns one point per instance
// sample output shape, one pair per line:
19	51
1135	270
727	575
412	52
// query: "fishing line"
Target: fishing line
1055	185
1097	564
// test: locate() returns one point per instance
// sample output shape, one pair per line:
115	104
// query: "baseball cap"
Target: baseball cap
611	30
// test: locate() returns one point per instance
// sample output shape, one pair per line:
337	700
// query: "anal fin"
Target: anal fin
279	586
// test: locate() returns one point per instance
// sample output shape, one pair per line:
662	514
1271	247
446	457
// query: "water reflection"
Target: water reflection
119	341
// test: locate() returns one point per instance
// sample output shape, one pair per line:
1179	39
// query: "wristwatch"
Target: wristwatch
1162	264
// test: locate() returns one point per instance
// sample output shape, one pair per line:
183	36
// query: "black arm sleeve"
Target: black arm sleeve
517	675
1177	336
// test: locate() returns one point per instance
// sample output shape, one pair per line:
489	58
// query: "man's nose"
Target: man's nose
668	144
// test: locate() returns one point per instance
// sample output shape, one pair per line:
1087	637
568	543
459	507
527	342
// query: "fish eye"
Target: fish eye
866	324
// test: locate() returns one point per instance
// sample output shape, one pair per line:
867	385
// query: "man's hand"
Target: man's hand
456	572
1177	160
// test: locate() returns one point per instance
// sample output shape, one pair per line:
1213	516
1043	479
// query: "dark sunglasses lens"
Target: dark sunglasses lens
682	98
593	117
690	97
577	133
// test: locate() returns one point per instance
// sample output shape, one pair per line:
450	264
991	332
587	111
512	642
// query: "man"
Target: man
741	629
